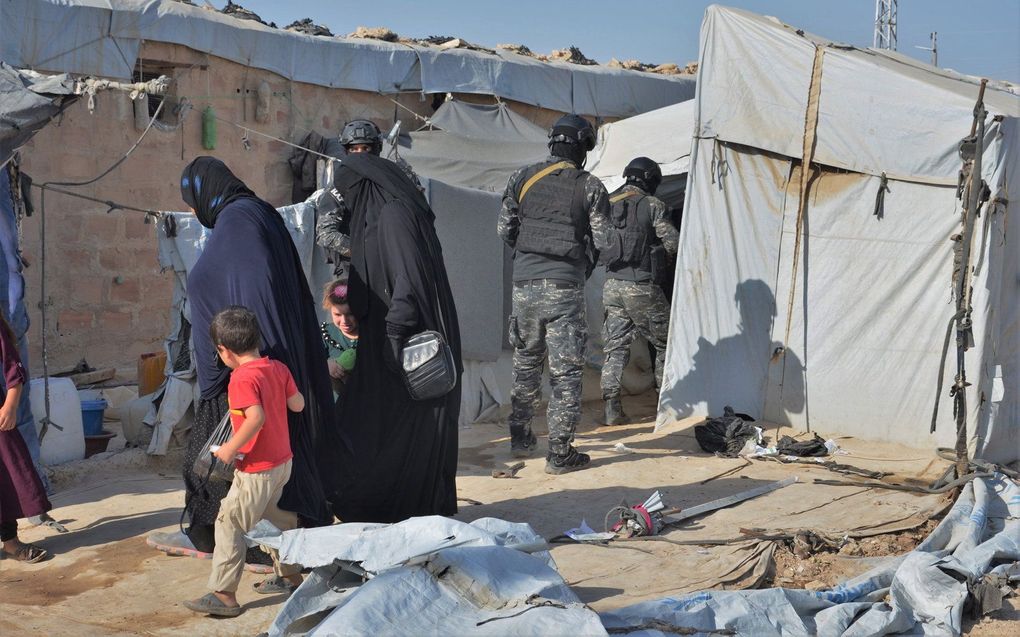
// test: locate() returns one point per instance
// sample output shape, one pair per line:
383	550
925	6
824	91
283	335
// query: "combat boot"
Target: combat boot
522	443
614	411
570	461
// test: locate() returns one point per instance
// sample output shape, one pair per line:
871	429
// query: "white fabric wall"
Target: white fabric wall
664	135
859	350
724	296
863	358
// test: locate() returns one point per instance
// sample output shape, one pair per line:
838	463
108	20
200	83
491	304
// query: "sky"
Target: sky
978	37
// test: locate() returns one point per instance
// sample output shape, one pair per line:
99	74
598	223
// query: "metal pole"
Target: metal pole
934	48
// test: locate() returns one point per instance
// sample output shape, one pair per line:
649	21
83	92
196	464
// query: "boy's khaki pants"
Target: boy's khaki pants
252	497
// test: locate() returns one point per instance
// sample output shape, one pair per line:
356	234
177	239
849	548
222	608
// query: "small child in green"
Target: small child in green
260	392
339	335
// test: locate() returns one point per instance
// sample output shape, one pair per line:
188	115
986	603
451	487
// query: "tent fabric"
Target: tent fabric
491	122
410	577
477	146
921	592
663	135
27	102
873	104
468	162
103	38
858	350
427	572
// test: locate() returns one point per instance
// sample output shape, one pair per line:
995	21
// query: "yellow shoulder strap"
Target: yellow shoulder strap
539	175
622	196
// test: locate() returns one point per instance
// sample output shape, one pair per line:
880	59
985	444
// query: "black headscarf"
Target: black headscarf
207	185
368	182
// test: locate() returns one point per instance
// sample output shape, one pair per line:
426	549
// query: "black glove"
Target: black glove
396	335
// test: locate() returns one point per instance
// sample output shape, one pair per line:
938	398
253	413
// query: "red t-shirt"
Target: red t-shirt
269	384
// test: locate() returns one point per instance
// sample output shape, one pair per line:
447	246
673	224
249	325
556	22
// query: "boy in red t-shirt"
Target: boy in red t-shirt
260	393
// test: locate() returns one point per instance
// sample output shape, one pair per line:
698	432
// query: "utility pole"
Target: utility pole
934	48
885	24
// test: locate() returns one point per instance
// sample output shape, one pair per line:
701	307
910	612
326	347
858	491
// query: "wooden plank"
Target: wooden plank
91	378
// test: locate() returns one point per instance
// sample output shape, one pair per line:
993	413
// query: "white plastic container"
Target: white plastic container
58	447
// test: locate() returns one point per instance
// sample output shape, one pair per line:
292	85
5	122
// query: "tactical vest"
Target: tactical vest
630	215
554	218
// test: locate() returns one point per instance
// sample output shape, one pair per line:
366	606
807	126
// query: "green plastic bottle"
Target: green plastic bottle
209	128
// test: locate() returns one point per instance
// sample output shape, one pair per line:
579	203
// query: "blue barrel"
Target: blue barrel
92	416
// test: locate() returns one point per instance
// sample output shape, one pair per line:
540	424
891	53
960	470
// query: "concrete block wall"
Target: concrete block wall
106	299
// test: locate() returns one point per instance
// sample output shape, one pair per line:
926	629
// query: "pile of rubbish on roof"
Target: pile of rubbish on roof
571	54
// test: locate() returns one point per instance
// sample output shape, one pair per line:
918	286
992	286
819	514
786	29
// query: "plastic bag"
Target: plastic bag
209	467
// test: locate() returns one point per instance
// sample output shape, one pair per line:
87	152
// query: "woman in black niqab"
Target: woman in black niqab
403	453
249	259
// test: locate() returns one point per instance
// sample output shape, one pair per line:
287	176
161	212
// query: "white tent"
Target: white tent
846	336
663	135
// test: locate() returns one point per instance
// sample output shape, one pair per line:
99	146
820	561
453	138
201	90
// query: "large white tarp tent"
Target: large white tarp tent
847	337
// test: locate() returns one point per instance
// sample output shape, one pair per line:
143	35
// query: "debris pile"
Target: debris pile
374	33
308	27
661	69
519	49
572	55
239	12
447	42
814	561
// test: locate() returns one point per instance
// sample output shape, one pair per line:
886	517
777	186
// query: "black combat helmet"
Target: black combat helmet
362	131
644	171
573	129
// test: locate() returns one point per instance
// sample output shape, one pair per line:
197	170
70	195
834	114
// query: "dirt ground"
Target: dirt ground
104	580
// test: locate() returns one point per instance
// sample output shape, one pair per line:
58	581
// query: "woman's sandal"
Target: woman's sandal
28	553
273	586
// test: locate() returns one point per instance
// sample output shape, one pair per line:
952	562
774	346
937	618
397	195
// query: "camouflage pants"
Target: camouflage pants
632	309
548	316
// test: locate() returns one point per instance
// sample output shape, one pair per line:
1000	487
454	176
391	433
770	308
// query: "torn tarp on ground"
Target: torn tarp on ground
434	575
429	575
921	592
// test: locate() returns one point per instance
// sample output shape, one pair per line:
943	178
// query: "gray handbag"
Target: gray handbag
428	365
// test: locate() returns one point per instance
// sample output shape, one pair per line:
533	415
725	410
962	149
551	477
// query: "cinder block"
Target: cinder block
81	291
101	228
114	322
136	228
70	321
126	291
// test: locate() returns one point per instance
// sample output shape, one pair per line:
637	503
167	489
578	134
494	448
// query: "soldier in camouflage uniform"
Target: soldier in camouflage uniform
331	228
634	302
555	217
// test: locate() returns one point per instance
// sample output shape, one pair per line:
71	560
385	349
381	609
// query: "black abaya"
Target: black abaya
404	452
250	260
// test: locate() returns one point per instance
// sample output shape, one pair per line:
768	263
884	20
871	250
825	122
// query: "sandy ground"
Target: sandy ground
104	580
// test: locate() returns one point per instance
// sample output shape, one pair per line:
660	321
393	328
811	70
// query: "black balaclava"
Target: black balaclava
207	185
573	152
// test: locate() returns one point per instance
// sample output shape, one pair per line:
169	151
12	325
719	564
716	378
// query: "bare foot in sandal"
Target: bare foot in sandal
277	584
22	552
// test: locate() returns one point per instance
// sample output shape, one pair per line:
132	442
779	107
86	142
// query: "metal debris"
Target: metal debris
308	27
